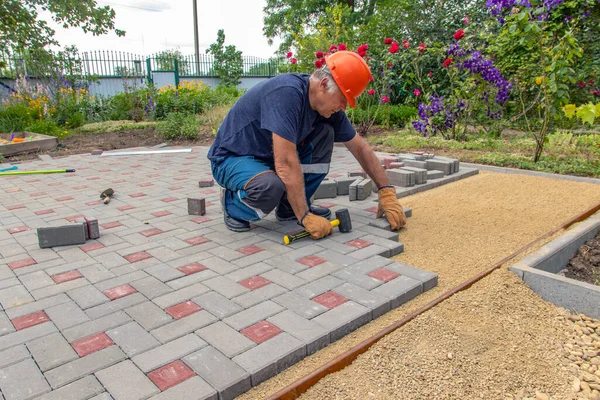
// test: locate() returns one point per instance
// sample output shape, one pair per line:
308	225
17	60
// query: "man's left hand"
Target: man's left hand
389	204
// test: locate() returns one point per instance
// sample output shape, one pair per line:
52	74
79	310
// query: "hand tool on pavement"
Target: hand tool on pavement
106	195
47	171
342	219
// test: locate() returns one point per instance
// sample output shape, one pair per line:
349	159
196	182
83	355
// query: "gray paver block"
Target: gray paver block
51	351
358	278
196	206
420	174
225	339
81	389
22	381
343	186
259	295
149	315
271	357
132	339
84	366
36	280
415	164
447	167
62	235
98	325
5	325
180	295
14	296
66	315
282	278
115	305
364	189
206	183
183	326
194	388
434	174
344	319
253	315
217	305
327	189
318	287
400	290
228	378
428	279
168	352
126	381
377	303
312	334
300	305
400	177
225	286
151	287
25	335
13	355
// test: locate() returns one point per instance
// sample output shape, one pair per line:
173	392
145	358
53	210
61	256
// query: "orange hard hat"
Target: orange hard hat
350	72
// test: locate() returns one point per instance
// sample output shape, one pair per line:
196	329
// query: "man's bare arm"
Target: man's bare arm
368	160
287	167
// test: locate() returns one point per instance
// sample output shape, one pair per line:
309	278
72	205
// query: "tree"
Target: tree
228	64
165	61
21	29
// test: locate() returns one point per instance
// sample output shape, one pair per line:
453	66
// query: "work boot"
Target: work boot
285	212
233	224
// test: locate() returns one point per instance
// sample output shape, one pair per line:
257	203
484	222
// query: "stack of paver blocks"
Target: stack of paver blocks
407	170
360	189
327	189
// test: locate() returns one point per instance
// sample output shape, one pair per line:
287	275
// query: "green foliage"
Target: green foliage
187	98
15	117
228	62
586	112
165	61
178	126
46	127
21	28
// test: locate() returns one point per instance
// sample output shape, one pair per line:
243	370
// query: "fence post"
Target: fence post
176	72
149	69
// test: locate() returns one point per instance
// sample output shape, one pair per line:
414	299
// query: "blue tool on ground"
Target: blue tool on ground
14	167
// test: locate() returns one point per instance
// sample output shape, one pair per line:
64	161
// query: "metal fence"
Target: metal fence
108	64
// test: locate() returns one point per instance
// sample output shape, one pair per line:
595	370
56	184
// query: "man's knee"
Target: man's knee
264	191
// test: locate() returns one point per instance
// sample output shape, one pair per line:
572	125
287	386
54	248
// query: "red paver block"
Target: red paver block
175	187
74	218
249	250
22	263
197	240
125	208
18	229
30	320
192	268
93	178
330	299
327	205
200	220
44	212
134	195
169	199
93	203
119	291
255	282
170	375
91	344
139	256
38	194
184	309
66	198
383	274
145	184
67	276
311	261
17	207
80	187
12	190
358	243
261	332
151	232
372	209
119	181
91	247
161	214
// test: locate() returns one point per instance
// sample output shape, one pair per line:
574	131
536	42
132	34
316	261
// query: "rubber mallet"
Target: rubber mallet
342	219
106	195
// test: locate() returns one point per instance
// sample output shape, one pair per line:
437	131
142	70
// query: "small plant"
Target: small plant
179	126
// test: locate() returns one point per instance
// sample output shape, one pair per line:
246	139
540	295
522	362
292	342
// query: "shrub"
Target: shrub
14	117
46	127
178	126
187	98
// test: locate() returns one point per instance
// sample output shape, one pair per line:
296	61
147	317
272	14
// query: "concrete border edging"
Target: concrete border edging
539	271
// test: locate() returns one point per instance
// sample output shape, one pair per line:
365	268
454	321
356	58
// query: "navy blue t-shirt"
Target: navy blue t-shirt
278	105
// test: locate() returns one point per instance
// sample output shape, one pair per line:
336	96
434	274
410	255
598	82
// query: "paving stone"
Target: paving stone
5	325
149	315
400	290
318	287
53	290
226	287
103	396
282	278
84	366
183	326
358	278
126	381
343	319
428	279
244	273
319	271
99	325
311	333
25	335
81	389
51	351
253	315
189	280
36	280
180	295
228	378
151	287
6	283
22	381
115	305
66	315
87	296
225	339
14	296
169	352
260	295
217	305
132	338
194	388
271	357
377	303
302	306
13	355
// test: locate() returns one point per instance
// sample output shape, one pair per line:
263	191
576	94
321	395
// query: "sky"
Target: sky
155	25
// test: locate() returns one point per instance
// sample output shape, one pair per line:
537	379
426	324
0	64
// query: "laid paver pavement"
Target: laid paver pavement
165	304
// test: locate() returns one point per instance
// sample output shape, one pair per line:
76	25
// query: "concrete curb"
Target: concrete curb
505	170
539	271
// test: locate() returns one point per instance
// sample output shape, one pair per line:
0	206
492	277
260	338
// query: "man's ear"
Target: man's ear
323	83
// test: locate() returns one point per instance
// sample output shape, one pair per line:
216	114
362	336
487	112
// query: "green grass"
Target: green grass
113	126
564	153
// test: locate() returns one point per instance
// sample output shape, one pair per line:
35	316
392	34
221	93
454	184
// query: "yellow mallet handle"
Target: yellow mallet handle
292	237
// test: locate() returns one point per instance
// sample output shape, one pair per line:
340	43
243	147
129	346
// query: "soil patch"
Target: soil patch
85	143
585	266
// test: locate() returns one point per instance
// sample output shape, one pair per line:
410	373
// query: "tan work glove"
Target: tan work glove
318	227
388	204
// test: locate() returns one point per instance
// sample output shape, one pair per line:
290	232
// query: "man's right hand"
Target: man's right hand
318	227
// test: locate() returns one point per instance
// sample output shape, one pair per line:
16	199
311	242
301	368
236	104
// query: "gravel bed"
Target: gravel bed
496	340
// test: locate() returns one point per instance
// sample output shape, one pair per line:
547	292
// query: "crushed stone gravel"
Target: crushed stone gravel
495	340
